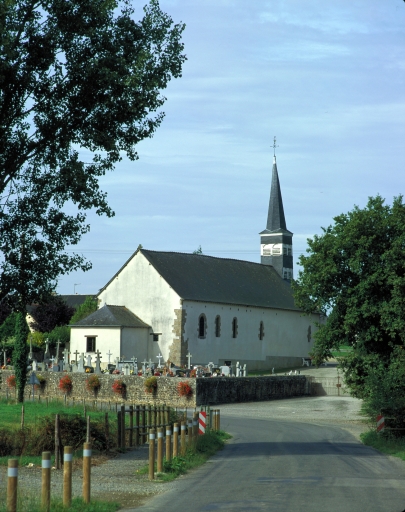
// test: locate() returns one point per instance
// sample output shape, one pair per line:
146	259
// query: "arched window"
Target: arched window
202	326
234	327
217	326
261	331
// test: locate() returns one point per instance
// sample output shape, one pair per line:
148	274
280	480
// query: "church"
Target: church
168	305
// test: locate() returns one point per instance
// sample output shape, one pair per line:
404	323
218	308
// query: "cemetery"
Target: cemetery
77	377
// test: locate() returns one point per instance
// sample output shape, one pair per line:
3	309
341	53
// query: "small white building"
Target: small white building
216	309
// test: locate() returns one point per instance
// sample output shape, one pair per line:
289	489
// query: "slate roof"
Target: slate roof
275	218
111	316
221	280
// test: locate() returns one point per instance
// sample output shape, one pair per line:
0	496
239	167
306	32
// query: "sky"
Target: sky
327	78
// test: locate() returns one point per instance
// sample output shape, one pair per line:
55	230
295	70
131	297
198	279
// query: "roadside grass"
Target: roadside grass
385	442
29	503
206	446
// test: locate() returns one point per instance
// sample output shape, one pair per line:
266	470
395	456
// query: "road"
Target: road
276	463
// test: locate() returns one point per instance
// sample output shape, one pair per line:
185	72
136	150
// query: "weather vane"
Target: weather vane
274	146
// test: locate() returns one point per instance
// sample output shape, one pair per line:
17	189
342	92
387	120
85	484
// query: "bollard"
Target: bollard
183	438
190	433
214	419
160	450
151	454
46	482
175	439
67	475
86	471
168	443
218	419
12	482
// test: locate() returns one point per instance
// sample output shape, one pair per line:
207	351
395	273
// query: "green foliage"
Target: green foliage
198	250
31	501
51	314
38	338
151	384
20	355
355	273
7	329
81	85
61	333
88	307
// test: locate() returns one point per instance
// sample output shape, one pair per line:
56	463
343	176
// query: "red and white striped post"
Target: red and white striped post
202	422
380	423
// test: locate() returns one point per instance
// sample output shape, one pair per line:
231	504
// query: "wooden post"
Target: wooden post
218	419
195	426
183	438
107	432
67	475
151	454
86	472
46	481
190	433
160	450
167	415
57	437
123	440
119	429
175	439
168	443
12	483
131	425
214	419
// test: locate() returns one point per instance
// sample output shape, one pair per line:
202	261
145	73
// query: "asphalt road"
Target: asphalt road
276	463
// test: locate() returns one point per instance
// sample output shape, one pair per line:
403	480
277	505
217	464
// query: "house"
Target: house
215	309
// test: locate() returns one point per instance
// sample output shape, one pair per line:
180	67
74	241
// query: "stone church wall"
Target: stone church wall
220	390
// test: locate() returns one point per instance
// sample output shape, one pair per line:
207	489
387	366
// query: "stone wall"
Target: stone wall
220	390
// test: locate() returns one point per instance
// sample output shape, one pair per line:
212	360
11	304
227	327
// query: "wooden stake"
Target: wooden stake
12	483
86	472
67	475
151	454
46	481
168	443
160	450
175	439
190	433
183	438
57	437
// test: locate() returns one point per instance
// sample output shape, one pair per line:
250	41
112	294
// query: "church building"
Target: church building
217	310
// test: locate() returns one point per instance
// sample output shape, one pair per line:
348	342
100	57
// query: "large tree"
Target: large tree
80	86
355	274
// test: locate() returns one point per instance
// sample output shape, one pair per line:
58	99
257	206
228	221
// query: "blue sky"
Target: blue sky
326	78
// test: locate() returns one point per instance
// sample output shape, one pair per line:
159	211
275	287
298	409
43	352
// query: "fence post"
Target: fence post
88	430
86	472
131	425
160	450
218	419
67	475
57	459
183	438
137	425
168	443
175	439
46	481
190	433
195	426
123	440
119	429
12	483
107	432
151	454
214	419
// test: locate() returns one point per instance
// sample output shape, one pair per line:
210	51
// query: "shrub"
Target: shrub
119	387
11	381
151	384
42	383
93	384
184	389
65	384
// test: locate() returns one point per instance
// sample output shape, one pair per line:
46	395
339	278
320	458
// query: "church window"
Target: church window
217	326
90	343
202	326
156	337
234	328
261	331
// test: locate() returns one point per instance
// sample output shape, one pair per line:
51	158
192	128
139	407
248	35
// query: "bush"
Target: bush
151	384
184	389
93	384
65	384
119	387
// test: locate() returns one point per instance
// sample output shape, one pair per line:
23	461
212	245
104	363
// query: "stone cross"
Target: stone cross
245	370
238	370
109	354
210	366
159	357
30	355
117	360
52	360
80	364
34	366
47	354
57	350
66	356
98	357
189	356
88	360
135	365
144	363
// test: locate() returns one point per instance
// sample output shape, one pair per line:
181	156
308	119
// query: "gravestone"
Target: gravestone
98	357
126	369
245	370
225	371
88	360
144	363
80	364
47	354
34	366
238	372
159	357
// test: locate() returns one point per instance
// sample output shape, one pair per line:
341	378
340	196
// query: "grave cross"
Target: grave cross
52	360
109	354
144	363
189	356
76	354
57	350
159	357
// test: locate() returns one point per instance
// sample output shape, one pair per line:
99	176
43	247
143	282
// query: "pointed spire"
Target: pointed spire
275	217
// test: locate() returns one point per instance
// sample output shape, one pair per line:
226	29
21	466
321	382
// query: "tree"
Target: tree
88	307
20	355
51	314
80	85
355	273
198	250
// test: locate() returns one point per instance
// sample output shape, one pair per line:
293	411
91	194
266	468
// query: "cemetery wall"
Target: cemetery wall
208	391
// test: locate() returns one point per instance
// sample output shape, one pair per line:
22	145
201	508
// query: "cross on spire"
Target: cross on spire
274	146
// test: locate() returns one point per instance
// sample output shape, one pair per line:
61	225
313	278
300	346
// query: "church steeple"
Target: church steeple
276	240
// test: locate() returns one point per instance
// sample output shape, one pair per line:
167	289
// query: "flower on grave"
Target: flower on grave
11	381
151	384
193	373
65	384
157	374
116	372
93	383
119	387
184	389
88	370
140	373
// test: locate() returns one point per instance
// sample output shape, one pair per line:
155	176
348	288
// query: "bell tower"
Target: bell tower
276	240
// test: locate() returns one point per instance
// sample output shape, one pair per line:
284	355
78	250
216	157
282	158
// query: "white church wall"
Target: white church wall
144	292
107	340
285	335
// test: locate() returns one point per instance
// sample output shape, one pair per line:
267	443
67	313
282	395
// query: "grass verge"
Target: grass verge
385	442
206	446
27	503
